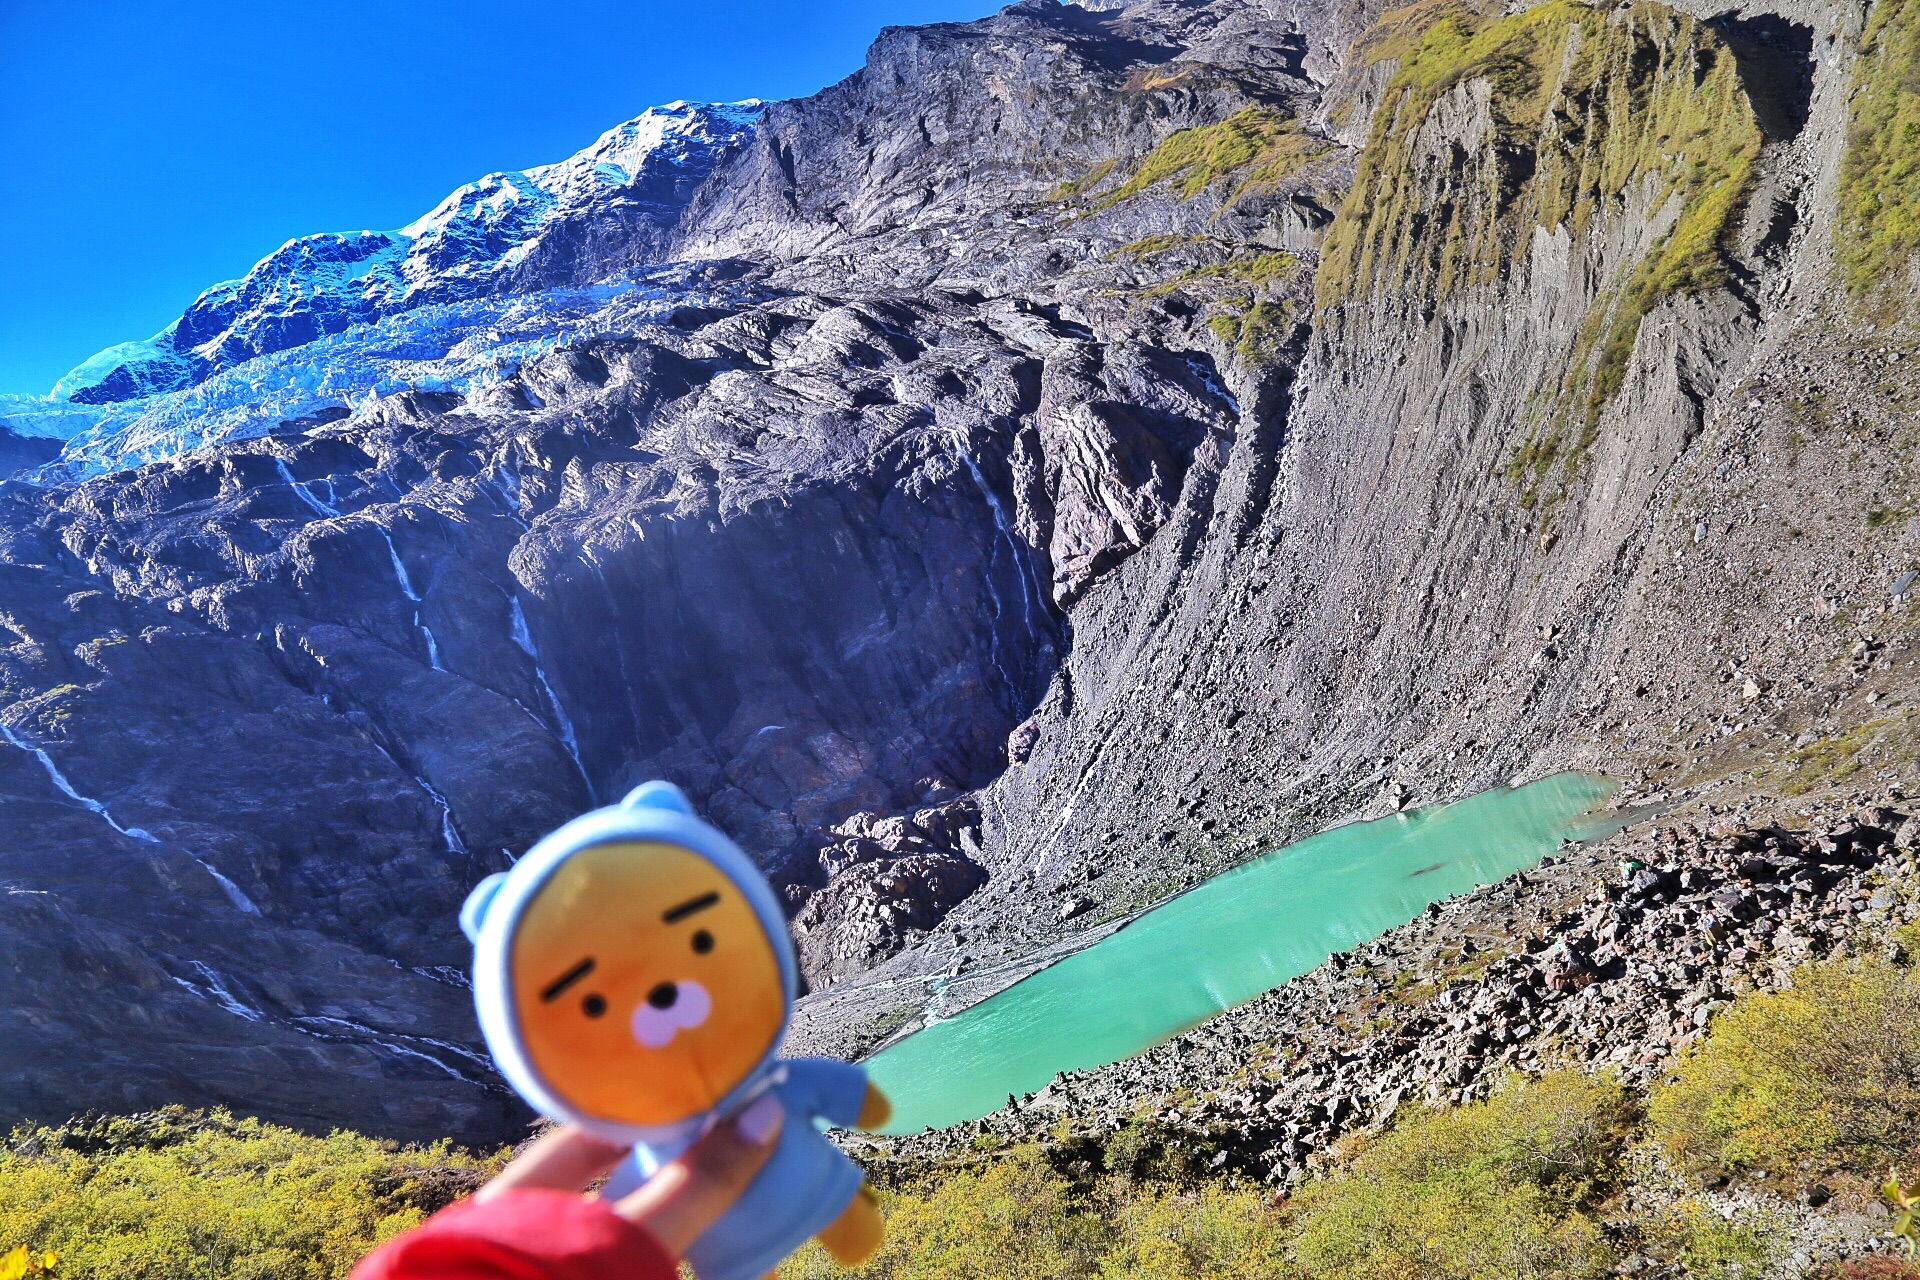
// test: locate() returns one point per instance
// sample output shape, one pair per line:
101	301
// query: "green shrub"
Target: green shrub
190	1196
1828	1070
1133	1149
1496	1188
1021	1219
1711	1248
1017	1219
1209	1234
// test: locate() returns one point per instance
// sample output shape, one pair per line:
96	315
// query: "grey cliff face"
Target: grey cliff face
335	676
1125	437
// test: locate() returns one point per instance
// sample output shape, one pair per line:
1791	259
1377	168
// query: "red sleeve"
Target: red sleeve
521	1235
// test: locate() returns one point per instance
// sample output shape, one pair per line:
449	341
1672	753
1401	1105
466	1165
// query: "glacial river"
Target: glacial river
1224	942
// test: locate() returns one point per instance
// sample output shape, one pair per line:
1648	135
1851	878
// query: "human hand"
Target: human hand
679	1202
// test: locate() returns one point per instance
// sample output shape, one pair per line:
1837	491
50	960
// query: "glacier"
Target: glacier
500	271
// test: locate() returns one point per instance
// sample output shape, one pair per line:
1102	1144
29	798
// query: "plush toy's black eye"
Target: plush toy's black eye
593	1006
703	942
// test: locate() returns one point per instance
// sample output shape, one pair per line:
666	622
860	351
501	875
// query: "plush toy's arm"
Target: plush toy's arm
875	1110
836	1091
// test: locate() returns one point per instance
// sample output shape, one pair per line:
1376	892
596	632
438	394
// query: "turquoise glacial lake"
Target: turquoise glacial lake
1224	942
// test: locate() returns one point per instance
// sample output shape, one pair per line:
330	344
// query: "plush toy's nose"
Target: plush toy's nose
670	1008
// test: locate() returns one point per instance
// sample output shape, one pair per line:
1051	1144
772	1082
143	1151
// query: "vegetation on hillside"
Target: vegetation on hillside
1822	1079
180	1195
1584	108
1266	145
1257	332
1502	1187
1825	1073
1879	197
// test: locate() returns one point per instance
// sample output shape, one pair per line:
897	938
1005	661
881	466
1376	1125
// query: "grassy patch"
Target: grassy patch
1268	145
1838	757
1085	182
1252	273
1256	334
1826	1072
1879	514
1262	269
1153	247
885	1024
196	1196
1879	197
1410	989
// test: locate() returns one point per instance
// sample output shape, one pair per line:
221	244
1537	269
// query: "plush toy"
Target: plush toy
634	976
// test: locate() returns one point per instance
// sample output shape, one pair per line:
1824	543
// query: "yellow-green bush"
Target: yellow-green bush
1495	1188
1712	1248
1828	1070
1017	1219
1209	1234
1021	1219
184	1196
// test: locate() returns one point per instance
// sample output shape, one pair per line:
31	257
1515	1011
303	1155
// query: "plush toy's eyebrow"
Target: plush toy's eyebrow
567	979
676	914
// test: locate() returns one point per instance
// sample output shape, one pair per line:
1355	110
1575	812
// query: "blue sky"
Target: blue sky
152	149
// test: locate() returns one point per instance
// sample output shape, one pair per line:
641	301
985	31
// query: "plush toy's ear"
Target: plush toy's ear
657	795
473	912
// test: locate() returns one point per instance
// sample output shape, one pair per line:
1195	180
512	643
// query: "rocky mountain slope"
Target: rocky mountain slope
577	221
1082	447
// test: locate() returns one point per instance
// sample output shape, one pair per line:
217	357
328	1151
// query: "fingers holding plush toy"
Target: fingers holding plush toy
634	977
685	1198
532	1220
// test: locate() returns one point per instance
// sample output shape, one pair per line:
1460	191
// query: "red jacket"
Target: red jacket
521	1235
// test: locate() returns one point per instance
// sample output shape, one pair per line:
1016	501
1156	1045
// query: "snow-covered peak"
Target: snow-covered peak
575	222
679	133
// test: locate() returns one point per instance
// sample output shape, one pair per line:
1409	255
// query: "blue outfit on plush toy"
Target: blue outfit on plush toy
808	1181
804	1186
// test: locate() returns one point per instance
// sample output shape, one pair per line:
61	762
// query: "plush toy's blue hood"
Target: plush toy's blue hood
655	811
